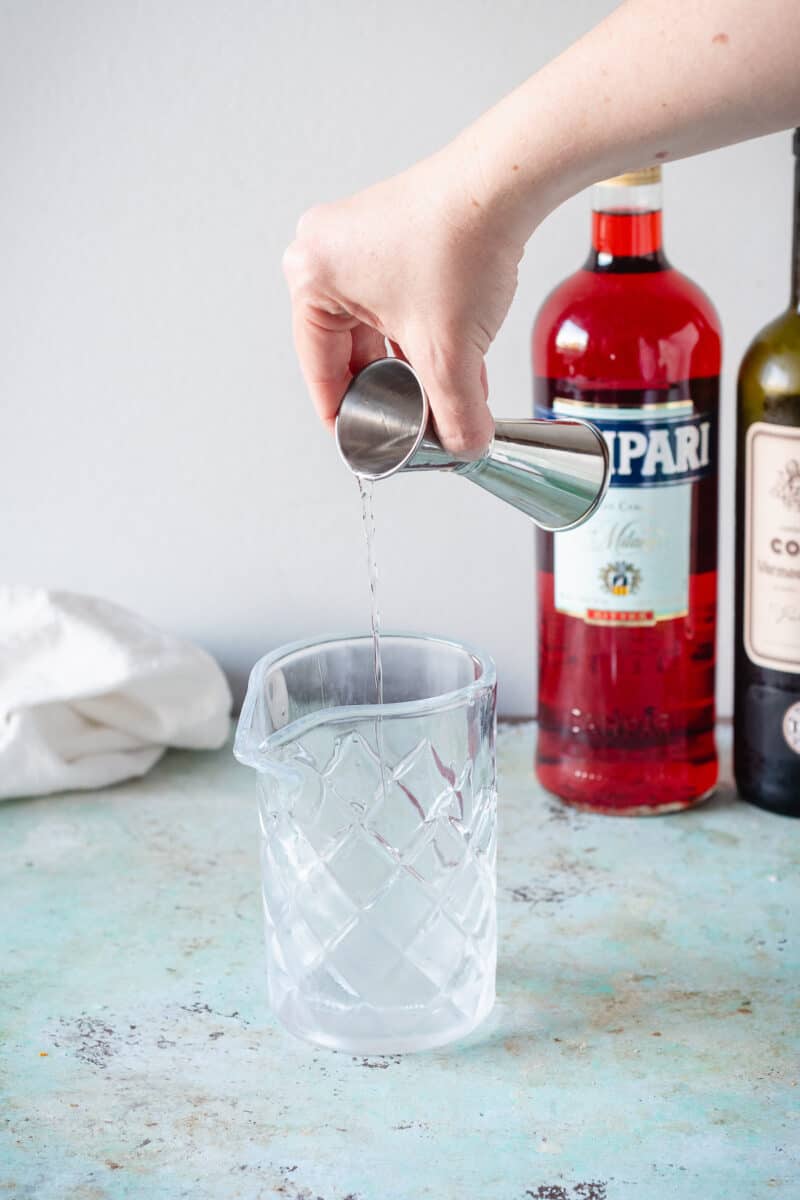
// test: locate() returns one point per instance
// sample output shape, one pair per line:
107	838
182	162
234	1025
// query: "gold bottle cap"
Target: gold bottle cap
638	178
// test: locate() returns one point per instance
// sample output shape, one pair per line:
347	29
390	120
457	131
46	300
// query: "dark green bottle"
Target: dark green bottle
767	703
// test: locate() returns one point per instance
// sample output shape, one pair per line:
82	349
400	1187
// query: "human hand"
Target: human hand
423	260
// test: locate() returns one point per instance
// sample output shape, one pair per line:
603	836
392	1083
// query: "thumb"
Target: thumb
457	387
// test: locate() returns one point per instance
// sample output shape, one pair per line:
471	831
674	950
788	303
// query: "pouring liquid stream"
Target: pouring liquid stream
368	518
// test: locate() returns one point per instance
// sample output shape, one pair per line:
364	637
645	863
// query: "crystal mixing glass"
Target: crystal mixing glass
378	839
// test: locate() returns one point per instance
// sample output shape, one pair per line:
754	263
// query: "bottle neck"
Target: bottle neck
795	299
626	228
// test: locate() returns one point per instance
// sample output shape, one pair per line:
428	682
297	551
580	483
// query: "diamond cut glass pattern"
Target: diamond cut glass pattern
378	873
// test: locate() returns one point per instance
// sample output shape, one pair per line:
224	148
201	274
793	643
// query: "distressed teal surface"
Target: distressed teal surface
644	1043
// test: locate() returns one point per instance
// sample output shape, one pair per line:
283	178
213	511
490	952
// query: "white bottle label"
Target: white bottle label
791	727
629	564
772	546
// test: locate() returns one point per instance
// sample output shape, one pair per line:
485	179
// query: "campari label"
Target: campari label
630	563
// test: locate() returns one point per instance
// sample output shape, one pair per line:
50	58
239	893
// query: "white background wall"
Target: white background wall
156	444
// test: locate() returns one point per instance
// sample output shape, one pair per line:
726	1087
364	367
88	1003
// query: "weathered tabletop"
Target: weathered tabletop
642	1043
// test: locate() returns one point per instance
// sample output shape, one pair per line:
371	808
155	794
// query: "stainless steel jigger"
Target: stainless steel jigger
554	471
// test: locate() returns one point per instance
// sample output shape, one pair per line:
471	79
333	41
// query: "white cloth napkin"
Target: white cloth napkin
91	694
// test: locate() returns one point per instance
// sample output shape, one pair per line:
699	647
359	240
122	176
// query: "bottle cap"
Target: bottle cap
638	178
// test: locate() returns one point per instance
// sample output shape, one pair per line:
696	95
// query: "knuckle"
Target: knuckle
289	260
300	264
443	360
311	220
304	259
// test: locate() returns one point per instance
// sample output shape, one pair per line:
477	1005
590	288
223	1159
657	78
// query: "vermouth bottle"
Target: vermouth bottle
767	698
627	602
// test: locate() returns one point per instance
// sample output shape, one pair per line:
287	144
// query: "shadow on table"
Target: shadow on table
724	796
543	1004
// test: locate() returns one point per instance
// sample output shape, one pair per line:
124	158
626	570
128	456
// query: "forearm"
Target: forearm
656	81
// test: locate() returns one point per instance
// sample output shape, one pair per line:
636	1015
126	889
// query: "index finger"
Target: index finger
324	344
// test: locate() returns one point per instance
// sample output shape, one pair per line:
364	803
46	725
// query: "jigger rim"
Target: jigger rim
374	476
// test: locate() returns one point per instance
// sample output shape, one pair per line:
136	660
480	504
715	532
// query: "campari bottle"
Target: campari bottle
627	602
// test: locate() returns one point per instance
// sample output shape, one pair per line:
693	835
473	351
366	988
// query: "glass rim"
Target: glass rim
250	754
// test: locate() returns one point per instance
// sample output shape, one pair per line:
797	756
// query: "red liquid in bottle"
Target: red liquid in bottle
627	602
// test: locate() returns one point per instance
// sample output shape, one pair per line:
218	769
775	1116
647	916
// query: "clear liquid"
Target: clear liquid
368	518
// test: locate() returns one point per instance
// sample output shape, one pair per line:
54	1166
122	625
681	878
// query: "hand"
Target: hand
421	260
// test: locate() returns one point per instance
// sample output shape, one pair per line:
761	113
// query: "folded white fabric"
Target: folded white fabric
91	694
